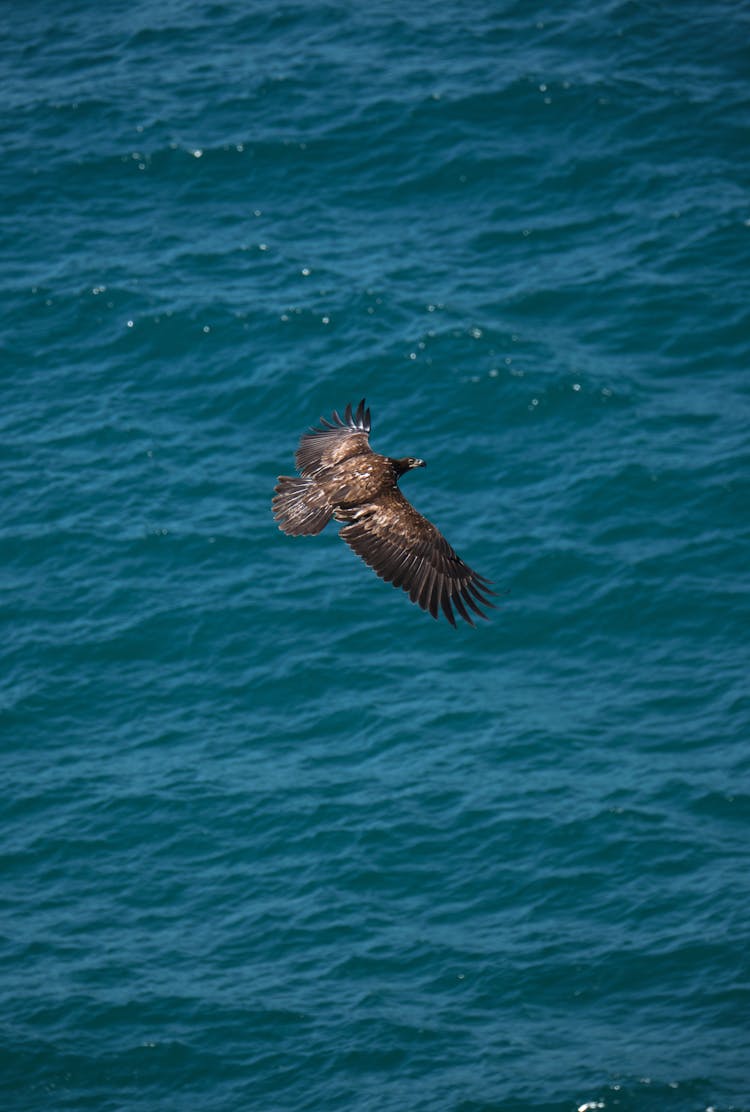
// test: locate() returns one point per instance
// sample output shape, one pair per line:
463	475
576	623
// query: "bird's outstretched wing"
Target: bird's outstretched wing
406	549
334	441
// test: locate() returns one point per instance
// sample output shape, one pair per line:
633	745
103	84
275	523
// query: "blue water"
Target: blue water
272	838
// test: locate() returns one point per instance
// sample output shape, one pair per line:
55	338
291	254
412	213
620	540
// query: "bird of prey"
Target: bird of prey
341	477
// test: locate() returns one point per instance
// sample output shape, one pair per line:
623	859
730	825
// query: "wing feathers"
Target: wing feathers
446	605
426	600
334	441
405	549
462	609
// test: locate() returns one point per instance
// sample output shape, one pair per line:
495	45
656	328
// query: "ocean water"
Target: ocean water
272	838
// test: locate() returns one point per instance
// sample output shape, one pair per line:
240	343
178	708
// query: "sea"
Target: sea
271	837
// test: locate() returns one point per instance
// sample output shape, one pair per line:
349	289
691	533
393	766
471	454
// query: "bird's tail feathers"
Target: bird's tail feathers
300	506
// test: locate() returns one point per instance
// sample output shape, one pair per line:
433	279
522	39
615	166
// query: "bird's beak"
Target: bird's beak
420	463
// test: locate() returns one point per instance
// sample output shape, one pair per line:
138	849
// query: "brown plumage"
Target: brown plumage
341	477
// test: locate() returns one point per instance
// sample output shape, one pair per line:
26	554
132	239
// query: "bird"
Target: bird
341	477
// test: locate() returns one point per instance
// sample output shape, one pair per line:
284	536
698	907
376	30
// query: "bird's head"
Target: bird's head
408	463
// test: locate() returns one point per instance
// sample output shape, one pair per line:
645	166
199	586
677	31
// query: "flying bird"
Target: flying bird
342	478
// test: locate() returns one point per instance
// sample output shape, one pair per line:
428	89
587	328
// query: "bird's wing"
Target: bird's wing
335	441
406	549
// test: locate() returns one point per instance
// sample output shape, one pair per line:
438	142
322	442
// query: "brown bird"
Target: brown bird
341	477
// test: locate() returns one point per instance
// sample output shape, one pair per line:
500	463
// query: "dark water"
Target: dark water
271	837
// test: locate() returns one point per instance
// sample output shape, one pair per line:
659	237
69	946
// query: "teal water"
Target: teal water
271	837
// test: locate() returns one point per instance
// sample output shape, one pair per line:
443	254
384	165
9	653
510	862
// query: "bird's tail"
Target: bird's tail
300	506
